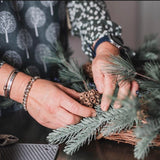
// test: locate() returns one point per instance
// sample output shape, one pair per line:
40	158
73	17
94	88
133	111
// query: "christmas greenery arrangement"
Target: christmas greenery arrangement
137	121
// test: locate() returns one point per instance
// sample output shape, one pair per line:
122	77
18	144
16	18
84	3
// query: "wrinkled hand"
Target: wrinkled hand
54	106
105	82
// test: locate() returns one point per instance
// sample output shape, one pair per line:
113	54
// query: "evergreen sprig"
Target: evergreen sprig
149	50
70	73
87	130
120	67
152	69
115	120
142	147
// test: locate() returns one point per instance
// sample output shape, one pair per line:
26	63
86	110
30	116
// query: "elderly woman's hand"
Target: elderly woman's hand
49	103
54	105
105	82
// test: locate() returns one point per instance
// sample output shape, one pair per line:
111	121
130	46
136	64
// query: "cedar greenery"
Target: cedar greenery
116	120
142	66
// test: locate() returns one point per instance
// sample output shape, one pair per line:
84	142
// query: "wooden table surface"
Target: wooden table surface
27	130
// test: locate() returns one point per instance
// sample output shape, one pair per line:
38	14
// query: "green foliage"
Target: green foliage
142	148
70	73
85	131
119	66
152	69
149	50
116	120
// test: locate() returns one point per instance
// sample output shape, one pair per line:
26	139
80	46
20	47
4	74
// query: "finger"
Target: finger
98	78
69	91
124	89
134	89
66	117
76	108
110	84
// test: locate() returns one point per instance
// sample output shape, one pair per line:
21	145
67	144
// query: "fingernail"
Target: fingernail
104	108
94	114
116	106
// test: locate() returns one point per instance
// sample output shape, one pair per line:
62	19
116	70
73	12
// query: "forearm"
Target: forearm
19	84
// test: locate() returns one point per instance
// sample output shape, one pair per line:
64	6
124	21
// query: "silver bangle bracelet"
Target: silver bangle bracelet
27	90
2	63
7	87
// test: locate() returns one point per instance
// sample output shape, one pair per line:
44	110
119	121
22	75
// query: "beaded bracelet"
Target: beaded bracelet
27	90
2	63
9	83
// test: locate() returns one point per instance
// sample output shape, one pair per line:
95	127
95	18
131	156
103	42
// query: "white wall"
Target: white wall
149	18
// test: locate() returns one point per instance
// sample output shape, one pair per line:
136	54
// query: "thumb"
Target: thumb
76	108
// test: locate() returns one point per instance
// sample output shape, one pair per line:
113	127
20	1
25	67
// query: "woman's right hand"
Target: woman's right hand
54	106
49	103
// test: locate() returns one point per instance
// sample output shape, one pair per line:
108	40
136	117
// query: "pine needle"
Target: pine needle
142	148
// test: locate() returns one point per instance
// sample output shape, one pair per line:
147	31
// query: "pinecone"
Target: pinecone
90	98
87	68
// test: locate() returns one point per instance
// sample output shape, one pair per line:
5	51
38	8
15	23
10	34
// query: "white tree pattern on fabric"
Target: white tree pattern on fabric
24	41
49	4
35	18
7	24
13	58
42	51
52	32
19	5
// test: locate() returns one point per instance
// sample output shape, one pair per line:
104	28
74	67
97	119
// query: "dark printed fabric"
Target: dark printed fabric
90	20
30	29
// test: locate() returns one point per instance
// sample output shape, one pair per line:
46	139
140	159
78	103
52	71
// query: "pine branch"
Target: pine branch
148	129
149	50
69	71
152	70
142	148
120	67
123	119
77	135
86	135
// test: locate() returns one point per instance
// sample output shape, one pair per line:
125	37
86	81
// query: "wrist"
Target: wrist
5	71
19	86
107	48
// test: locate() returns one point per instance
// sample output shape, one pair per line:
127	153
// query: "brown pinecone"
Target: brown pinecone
90	98
87	68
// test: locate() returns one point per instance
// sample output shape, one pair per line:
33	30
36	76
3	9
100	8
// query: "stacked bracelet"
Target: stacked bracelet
2	63
7	87
27	90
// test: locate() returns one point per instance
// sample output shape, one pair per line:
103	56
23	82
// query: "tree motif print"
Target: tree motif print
35	18
13	58
19	5
24	41
7	24
42	51
49	4
52	32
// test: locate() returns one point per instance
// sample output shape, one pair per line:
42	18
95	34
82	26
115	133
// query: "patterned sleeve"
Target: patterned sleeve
91	21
